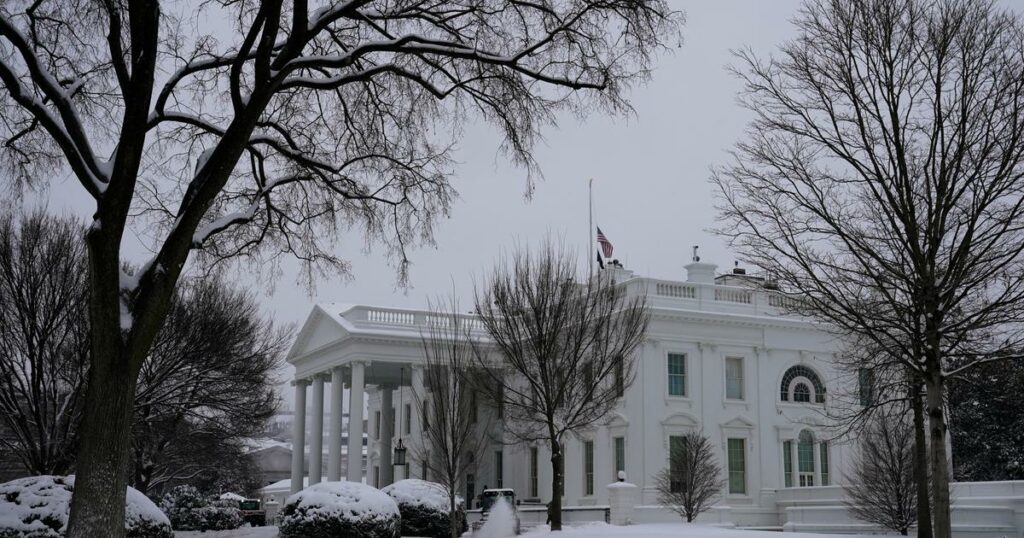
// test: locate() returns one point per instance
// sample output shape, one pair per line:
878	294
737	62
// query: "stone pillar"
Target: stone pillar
334	441
415	441
355	422
817	463
387	434
622	500
298	434
316	442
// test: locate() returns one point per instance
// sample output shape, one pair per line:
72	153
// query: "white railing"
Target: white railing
683	291
733	295
391	317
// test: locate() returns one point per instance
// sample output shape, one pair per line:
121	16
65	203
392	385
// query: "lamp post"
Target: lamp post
399	455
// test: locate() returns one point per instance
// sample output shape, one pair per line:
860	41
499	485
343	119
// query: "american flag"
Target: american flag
606	245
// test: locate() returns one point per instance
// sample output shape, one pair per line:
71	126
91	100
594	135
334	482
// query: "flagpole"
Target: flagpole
590	227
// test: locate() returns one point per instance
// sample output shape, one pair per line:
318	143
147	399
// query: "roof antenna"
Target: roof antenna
696	258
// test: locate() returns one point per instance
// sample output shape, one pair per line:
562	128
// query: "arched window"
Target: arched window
801	393
801	384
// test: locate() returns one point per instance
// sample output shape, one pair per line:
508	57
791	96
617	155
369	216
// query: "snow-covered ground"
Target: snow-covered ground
599	530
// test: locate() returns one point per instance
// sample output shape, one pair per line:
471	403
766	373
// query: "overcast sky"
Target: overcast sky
652	197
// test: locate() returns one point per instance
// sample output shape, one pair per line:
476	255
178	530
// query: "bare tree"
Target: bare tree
692	479
210	380
882	183
883	488
43	340
564	350
266	128
455	432
207	385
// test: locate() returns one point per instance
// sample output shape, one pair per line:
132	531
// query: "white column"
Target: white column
817	463
387	434
355	423
415	441
316	443
298	433
334	441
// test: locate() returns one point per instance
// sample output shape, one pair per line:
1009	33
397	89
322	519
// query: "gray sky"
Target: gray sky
651	192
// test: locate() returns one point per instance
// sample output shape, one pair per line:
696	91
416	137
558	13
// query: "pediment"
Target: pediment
319	330
683	420
739	422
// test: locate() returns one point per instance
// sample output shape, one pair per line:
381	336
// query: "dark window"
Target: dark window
804	372
801	393
866	383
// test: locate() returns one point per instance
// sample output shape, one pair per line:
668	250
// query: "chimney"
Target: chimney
701	273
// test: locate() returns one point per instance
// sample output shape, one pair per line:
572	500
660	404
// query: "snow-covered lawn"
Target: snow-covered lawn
599	530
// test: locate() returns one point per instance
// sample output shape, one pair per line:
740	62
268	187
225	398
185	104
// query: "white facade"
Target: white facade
715	360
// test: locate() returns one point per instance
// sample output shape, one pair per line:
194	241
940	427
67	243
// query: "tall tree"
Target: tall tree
266	128
208	383
564	351
43	339
882	182
455	431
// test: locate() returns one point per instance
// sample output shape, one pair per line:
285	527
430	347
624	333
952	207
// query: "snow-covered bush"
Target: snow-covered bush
184	507
425	508
221	515
189	510
331	509
38	507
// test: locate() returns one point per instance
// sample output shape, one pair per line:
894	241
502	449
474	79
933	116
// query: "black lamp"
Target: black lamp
399	456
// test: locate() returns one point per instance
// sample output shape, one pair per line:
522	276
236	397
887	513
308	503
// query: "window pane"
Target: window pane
805	456
737	467
865	379
499	468
824	463
533	471
620	455
588	468
801	393
676	374
787	462
675	446
408	419
734	378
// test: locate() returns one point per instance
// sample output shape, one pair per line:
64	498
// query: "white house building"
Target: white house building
720	357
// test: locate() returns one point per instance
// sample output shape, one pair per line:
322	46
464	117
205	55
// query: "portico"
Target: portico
352	351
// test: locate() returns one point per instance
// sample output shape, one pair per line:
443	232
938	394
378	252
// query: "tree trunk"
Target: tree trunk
97	507
924	510
454	522
939	463
557	485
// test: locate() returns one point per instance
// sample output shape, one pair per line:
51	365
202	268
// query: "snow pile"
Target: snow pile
425	508
38	507
501	521
349	509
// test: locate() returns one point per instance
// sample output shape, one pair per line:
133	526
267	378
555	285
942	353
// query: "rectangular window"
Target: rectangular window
824	463
499	469
676	374
676	444
734	378
394	421
470	490
376	425
620	455
426	414
426	466
588	468
501	400
737	467
865	382
376	476
588	375
805	462
620	377
533	472
787	462
408	419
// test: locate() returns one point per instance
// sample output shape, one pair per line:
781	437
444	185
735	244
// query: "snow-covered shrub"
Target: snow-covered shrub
38	507
184	507
331	509
221	515
189	510
425	508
